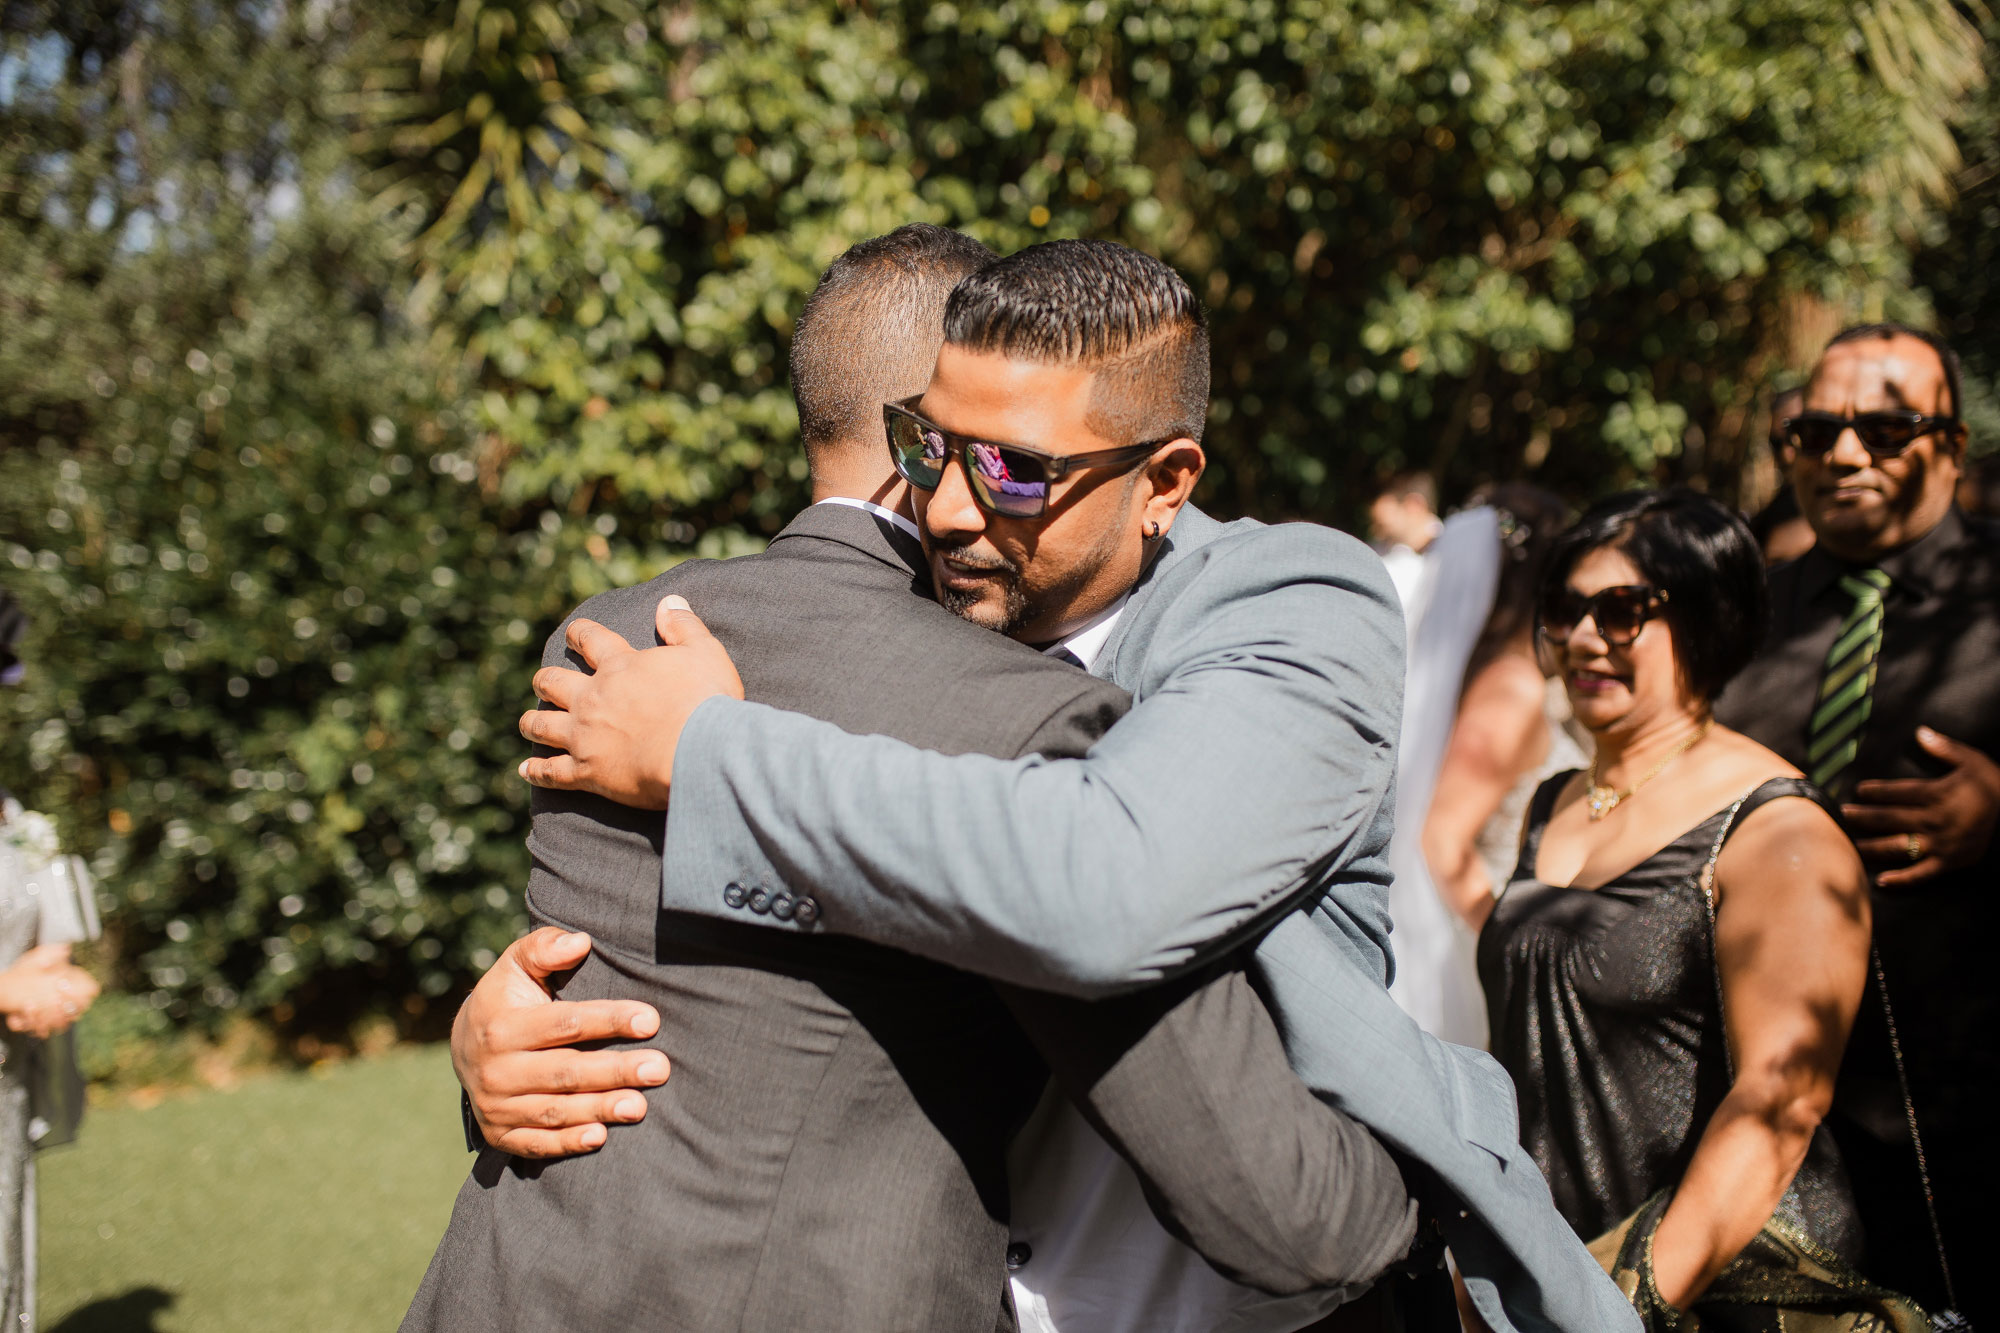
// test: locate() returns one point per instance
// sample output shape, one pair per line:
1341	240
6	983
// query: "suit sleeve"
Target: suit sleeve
1189	1082
1255	771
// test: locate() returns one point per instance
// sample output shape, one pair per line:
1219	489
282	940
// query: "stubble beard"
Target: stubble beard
1008	616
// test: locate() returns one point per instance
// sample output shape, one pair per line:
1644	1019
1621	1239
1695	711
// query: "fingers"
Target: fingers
1904	876
1896	791
548	1027
560	686
595	644
558	772
547	950
1894	849
676	624
46	955
549	1143
1884	818
609	1081
1943	746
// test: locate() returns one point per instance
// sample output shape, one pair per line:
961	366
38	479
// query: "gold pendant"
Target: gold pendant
1602	801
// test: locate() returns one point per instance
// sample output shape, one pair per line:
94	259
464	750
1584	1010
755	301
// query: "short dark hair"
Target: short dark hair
870	331
1947	358
1101	306
1701	554
1402	485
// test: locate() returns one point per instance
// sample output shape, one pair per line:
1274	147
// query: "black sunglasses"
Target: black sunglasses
1006	479
1882	434
1619	613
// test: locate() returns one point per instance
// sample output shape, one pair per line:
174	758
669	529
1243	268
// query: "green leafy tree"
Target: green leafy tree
283	624
343	346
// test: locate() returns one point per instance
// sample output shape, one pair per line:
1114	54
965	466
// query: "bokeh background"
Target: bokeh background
345	344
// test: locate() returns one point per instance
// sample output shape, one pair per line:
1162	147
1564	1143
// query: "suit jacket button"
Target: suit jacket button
1018	1255
805	911
760	901
783	906
733	896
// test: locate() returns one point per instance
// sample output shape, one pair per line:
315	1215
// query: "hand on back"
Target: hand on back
531	1094
617	727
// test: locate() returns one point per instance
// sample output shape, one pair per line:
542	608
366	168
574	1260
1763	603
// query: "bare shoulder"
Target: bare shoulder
1788	849
1510	682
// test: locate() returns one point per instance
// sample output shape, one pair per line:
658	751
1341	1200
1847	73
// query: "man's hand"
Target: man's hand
530	1095
619	725
1923	826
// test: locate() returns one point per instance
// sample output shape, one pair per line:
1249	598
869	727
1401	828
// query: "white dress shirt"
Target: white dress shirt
1091	1256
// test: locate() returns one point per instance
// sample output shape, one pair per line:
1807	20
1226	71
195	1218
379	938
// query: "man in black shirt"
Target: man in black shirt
1881	680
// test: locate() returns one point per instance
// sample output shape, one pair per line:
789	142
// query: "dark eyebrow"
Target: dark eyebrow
1895	391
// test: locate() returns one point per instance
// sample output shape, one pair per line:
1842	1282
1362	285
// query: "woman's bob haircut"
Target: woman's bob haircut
1697	551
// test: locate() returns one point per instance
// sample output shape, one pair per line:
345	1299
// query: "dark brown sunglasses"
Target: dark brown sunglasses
1619	613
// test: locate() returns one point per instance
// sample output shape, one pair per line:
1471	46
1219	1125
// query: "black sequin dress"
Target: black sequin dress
1603	1009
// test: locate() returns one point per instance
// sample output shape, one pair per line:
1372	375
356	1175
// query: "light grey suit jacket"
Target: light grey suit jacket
1251	788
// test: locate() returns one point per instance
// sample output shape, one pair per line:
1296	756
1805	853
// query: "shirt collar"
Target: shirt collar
1915	569
889	516
1085	644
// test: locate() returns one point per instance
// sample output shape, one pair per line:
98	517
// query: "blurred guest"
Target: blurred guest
41	994
1881	679
1434	983
1513	727
1672	971
1478	599
1403	522
1781	530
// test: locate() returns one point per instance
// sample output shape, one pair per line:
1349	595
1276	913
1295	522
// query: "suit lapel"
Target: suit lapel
859	530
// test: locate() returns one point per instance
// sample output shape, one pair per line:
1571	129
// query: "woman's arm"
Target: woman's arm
1499	737
1792	945
43	992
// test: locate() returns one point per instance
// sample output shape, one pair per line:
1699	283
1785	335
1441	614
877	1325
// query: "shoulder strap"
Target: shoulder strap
1708	903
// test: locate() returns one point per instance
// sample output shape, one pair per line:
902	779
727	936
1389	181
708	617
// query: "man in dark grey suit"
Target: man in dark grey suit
829	1151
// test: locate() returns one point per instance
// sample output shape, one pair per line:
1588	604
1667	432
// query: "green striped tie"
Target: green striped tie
1846	684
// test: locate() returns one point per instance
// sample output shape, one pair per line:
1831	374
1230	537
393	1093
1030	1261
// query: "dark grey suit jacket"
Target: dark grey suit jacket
829	1152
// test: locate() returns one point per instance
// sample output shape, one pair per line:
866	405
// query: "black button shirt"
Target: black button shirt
1939	667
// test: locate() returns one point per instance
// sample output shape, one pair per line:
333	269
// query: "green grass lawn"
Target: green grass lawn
296	1201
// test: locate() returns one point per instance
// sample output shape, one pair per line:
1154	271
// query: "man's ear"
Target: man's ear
1169	480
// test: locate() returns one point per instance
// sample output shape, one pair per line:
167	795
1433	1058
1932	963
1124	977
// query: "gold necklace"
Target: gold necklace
1603	800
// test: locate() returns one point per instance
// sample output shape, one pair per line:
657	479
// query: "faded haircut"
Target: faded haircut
1103	307
870	331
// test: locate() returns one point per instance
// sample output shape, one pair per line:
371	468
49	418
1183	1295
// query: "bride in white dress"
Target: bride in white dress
1481	728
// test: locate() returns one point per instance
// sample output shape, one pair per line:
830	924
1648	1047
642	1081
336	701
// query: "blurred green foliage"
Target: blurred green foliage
343	346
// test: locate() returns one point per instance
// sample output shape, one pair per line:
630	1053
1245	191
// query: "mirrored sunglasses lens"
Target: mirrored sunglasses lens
1009	483
919	451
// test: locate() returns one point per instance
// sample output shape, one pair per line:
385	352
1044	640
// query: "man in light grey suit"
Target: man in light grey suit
1248	789
829	1152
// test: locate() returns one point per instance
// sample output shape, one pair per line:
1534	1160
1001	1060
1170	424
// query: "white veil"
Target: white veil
1436	982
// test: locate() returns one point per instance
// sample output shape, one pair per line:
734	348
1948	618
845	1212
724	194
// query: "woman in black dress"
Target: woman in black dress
1607	980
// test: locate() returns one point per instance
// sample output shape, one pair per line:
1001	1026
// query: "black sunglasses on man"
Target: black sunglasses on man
1006	479
1882	434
